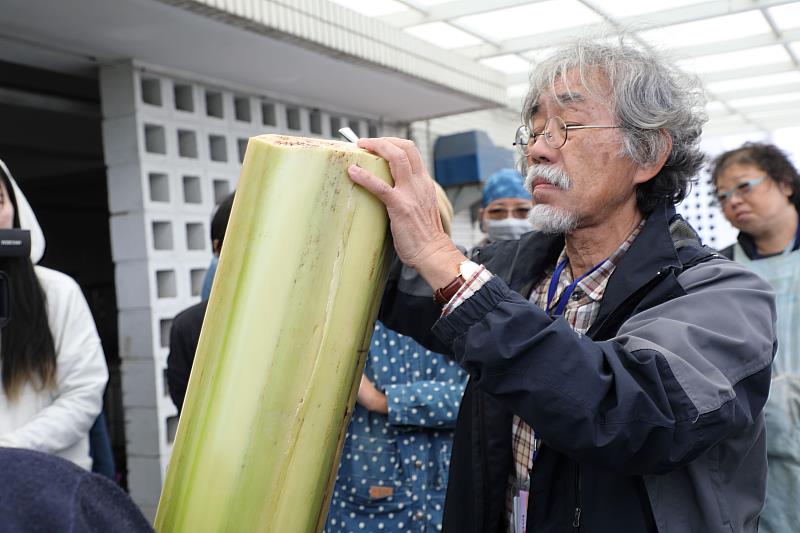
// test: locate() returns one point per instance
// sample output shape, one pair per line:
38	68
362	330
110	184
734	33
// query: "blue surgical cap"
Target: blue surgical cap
505	183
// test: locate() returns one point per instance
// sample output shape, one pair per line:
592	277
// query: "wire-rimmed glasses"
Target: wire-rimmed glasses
555	133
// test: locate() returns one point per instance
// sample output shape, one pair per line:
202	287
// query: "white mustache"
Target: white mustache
551	175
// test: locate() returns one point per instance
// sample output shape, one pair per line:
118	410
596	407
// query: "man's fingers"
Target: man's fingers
412	153
399	163
366	179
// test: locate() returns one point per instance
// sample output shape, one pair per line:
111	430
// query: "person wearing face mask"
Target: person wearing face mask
758	190
505	207
53	368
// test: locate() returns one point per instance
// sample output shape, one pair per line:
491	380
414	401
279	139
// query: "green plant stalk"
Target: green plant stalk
283	343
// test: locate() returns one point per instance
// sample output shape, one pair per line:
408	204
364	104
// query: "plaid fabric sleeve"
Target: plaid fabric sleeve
469	288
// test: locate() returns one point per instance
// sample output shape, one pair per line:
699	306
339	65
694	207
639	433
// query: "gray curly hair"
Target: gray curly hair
650	100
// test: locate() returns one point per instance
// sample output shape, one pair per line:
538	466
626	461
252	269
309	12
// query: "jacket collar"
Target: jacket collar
652	253
522	263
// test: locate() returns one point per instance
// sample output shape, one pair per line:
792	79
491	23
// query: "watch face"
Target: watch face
468	269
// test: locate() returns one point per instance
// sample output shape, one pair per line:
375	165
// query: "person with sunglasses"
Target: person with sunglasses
505	206
758	190
618	368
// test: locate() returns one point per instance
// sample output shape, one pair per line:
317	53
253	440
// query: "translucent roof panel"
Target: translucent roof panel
429	3
716	108
751	57
518	90
503	24
539	54
373	8
508	63
752	41
758	101
710	30
443	35
787	16
627	8
755	82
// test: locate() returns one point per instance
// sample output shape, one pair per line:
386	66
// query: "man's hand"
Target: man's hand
419	239
371	398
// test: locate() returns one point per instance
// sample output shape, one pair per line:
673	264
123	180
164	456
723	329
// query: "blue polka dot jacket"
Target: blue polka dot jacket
393	470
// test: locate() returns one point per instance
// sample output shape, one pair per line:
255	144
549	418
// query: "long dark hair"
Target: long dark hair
27	350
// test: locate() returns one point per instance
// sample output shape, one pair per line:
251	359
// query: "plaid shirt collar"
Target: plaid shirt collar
594	284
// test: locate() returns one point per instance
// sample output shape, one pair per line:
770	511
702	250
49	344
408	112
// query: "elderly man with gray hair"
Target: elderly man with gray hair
618	367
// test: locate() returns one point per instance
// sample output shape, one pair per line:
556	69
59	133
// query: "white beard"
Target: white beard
552	220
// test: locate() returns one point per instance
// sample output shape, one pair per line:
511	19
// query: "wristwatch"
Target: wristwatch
466	270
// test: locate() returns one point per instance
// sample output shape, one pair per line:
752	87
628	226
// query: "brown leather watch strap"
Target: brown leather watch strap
443	295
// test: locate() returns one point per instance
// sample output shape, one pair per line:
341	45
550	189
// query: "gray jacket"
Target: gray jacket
651	422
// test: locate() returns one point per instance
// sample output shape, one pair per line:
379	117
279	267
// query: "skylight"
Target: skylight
373	8
539	54
519	21
508	63
786	17
751	57
429	3
715	108
758	101
755	82
627	8
706	31
443	35
518	90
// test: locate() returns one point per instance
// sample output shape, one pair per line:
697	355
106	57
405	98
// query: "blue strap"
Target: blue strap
551	291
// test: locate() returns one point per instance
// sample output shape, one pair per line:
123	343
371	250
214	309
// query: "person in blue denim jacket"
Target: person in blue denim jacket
396	456
393	471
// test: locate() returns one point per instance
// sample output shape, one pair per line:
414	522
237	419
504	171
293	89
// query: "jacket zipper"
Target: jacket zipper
576	519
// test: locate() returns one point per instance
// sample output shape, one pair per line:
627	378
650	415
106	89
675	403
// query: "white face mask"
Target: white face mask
507	229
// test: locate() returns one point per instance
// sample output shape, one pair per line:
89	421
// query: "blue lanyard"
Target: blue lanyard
551	291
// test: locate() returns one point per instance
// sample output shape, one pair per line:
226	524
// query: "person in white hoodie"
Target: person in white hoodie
53	368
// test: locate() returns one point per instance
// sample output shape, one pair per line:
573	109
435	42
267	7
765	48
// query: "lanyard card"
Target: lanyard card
519	515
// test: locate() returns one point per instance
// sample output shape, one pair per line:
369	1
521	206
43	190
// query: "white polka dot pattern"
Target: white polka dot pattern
405	454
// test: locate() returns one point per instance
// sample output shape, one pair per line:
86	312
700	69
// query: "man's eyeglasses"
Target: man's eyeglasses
741	189
554	132
500	213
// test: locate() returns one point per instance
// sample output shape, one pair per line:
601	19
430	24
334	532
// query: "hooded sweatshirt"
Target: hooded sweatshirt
57	420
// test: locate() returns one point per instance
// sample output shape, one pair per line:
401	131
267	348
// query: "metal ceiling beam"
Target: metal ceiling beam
777	33
658	19
24	98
